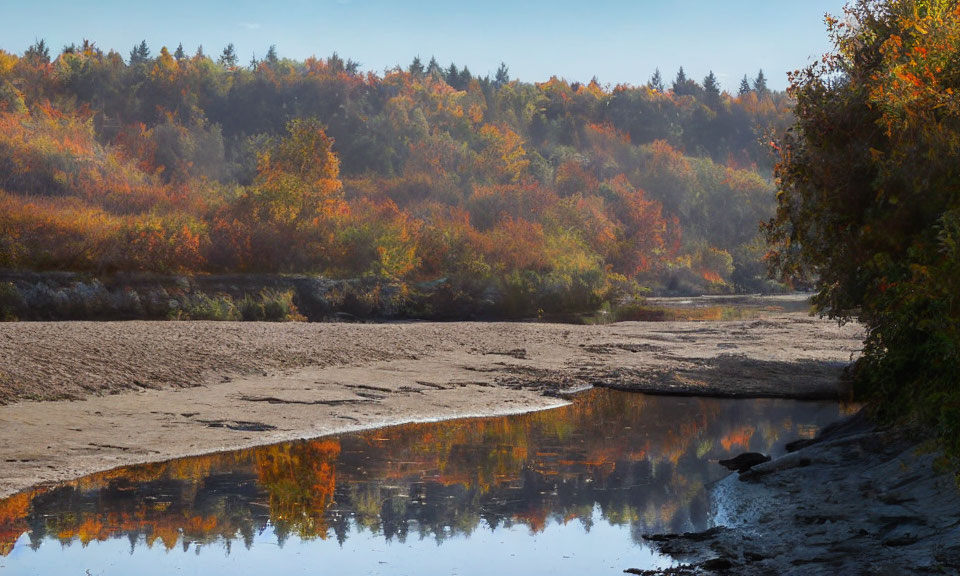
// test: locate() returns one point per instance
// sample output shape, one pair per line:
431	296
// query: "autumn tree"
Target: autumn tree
868	208
380	240
297	195
641	240
502	156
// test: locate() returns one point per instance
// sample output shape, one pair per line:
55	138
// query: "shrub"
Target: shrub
203	307
11	302
270	306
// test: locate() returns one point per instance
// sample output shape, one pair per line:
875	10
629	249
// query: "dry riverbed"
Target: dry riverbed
82	397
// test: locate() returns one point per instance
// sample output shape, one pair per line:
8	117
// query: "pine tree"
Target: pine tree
464	80
680	80
656	81
179	53
683	86
88	48
503	76
228	59
711	91
433	68
416	67
452	75
38	53
744	86
334	63
760	84
271	58
140	54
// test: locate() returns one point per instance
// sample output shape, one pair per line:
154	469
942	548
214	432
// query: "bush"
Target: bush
11	302
270	306
203	307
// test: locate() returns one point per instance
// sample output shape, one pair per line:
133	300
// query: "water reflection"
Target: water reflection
612	463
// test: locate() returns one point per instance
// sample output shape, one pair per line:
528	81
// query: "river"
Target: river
564	491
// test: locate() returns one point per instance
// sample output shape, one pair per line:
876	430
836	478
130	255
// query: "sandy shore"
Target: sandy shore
83	397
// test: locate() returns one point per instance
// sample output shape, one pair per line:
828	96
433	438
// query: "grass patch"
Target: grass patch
267	306
203	307
270	306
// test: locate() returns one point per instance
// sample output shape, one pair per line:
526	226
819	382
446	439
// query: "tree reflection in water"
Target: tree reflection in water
629	460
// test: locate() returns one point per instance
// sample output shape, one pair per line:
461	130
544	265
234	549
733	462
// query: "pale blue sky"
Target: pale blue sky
616	40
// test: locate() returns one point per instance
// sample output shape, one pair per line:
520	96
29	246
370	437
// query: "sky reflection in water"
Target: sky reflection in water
566	491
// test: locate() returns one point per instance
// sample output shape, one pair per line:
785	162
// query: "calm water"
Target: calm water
567	491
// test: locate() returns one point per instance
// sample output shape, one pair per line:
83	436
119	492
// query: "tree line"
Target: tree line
562	194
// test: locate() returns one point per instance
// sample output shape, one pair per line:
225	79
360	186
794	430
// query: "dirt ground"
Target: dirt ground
82	397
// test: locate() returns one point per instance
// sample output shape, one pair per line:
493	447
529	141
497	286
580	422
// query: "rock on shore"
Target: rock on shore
857	501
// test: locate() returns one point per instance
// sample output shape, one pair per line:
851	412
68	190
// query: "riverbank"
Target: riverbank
859	500
84	397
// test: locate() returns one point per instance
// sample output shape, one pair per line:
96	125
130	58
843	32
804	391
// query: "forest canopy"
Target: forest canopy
572	192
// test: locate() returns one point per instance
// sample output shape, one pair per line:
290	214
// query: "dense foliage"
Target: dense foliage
554	195
870	201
